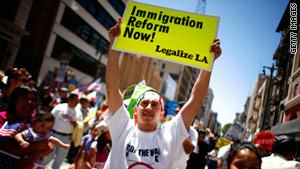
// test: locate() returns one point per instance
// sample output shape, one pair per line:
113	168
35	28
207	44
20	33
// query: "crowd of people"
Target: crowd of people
38	125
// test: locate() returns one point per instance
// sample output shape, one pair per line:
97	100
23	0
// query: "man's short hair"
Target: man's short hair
284	145
72	96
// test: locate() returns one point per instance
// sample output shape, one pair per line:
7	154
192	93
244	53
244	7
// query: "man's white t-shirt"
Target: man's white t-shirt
180	161
63	115
136	149
278	161
221	154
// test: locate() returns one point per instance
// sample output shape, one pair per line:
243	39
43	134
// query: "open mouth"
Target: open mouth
27	108
147	114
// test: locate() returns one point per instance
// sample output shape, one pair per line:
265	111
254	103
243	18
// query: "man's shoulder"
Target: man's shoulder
223	150
277	161
62	105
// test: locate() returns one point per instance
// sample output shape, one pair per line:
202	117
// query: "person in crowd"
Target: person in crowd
84	149
198	157
46	98
83	106
66	116
223	153
31	83
99	151
283	153
263	153
60	97
38	131
146	144
188	146
15	78
85	109
212	154
22	103
212	162
243	156
101	109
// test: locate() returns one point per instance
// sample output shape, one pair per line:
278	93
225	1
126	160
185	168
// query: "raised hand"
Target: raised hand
114	31
215	48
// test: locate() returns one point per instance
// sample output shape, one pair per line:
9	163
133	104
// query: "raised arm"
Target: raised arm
198	93
113	73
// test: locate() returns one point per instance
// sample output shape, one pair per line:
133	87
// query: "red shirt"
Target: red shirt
3	118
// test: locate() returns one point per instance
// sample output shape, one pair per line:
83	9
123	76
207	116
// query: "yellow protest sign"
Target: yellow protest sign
222	141
167	34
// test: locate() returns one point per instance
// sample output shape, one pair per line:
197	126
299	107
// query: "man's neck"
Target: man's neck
71	106
147	128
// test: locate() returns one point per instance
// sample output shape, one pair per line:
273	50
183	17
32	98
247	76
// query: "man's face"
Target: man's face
149	111
73	102
178	108
84	103
63	94
201	137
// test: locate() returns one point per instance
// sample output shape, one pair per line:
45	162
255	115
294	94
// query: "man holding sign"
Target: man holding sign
145	145
167	34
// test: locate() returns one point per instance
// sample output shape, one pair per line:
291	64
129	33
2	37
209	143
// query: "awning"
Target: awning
289	128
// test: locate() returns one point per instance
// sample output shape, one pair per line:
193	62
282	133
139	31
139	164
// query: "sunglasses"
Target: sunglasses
23	80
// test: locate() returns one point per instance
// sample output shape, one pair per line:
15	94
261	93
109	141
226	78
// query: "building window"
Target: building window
161	74
163	65
78	59
295	90
83	3
78	26
98	12
174	76
8	9
118	6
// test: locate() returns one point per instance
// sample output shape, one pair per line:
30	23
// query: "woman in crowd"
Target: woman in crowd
99	152
21	106
243	156
84	149
15	78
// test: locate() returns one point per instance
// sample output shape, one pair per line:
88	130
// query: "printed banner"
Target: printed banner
62	71
168	34
222	141
235	131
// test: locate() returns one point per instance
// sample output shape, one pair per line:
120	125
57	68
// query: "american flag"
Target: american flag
94	86
9	130
7	161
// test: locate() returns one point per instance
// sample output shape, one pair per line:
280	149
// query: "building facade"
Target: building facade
14	16
275	100
286	117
